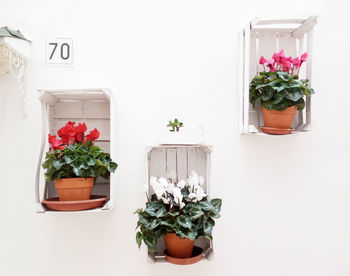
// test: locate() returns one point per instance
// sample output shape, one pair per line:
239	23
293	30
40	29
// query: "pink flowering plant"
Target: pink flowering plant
278	86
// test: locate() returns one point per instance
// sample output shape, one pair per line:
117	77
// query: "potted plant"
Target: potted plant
279	91
74	162
175	125
174	133
179	212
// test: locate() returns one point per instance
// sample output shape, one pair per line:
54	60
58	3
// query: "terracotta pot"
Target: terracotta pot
178	247
78	188
279	119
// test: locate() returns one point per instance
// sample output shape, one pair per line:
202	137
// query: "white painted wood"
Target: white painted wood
259	21
95	107
161	160
186	136
305	27
309	74
246	78
240	81
181	163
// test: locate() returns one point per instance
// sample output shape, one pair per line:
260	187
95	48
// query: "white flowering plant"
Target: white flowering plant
176	207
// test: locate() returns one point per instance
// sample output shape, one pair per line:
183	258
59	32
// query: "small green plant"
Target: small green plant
175	125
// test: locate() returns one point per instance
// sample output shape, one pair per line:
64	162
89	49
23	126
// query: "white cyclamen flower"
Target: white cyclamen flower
157	187
181	184
163	182
165	200
192	180
200	193
170	188
178	197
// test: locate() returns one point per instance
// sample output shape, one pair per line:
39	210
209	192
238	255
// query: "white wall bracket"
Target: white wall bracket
14	56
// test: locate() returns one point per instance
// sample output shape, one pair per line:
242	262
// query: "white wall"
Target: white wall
286	200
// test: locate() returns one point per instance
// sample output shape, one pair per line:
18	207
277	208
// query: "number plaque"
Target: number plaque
59	51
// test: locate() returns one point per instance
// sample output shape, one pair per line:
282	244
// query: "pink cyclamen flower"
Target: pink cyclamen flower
286	66
270	64
296	62
303	57
278	57
262	60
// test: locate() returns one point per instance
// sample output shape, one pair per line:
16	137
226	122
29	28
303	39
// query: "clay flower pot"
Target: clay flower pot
178	247
78	188
279	119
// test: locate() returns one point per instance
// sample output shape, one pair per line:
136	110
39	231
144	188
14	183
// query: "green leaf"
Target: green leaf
46	164
77	171
173	214
284	75
150	240
139	238
155	209
138	211
154	223
294	96
144	219
195	214
206	206
279	97
184	221
208	226
68	158
267	95
169	222
217	203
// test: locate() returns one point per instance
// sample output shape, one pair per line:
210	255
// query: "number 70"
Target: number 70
64	50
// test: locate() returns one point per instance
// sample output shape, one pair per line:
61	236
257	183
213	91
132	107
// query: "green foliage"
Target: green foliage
278	90
175	125
78	160
193	221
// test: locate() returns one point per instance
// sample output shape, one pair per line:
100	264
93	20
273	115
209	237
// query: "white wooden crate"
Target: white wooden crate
95	107
263	37
162	160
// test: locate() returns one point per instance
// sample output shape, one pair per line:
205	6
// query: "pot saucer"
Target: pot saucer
197	255
277	131
55	204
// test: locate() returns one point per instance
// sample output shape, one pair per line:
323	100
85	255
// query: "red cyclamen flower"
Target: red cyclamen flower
56	144
94	134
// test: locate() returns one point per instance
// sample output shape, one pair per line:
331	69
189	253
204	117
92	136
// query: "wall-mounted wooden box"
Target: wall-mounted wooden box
95	107
162	160
263	37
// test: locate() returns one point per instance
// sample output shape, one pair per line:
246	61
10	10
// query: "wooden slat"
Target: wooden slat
278	21
305	27
82	109
240	81
171	162
181	163
246	78
158	162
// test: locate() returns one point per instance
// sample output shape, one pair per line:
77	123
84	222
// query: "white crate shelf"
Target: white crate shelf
96	108
263	37
181	159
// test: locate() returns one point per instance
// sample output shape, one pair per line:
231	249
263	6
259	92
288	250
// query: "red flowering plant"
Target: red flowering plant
75	155
278	86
